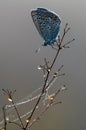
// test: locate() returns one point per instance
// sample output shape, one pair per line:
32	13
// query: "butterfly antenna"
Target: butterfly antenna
54	47
37	50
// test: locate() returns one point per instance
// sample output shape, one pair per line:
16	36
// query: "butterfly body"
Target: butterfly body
47	24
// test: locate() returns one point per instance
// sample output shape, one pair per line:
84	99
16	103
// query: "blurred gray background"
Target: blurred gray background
18	62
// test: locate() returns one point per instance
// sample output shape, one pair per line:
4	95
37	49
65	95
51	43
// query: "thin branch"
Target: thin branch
4	115
55	58
29	118
65	45
10	98
64	33
42	113
15	123
17	112
44	86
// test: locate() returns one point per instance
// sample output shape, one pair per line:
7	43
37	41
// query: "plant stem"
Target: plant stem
22	126
43	89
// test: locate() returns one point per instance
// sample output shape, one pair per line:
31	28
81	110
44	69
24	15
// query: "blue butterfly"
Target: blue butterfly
47	23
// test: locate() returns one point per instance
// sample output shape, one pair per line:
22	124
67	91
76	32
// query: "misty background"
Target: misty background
18	62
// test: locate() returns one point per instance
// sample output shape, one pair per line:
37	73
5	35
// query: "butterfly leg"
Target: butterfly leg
54	48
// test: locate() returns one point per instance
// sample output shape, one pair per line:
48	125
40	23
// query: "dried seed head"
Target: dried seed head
51	98
9	99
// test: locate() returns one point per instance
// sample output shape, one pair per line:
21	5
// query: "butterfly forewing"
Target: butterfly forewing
35	20
47	24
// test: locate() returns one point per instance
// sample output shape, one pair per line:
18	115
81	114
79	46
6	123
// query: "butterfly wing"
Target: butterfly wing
35	18
47	24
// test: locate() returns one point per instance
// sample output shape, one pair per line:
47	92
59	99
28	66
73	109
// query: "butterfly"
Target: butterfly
48	25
